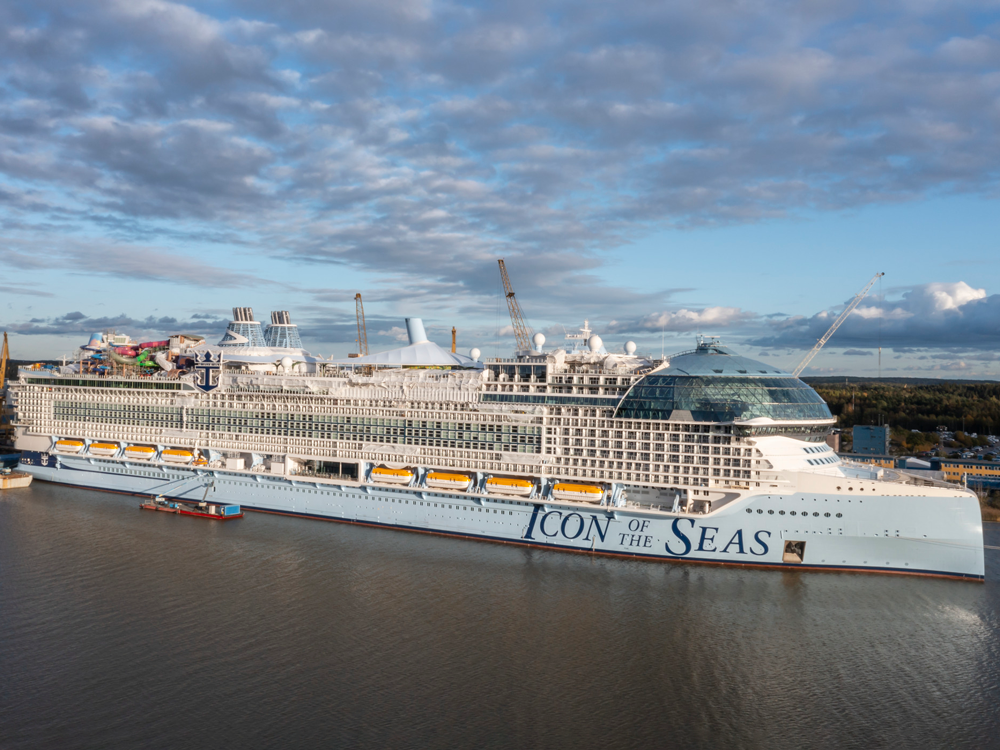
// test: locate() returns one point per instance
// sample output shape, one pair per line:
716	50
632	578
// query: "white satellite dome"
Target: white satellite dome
286	364
474	353
630	348
539	341
595	343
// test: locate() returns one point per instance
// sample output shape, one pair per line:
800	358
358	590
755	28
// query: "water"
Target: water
125	628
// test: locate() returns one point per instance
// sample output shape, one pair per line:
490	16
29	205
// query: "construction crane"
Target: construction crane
521	330
836	324
362	327
4	357
6	430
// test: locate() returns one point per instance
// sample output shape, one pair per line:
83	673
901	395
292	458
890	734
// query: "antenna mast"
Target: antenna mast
359	309
836	324
521	331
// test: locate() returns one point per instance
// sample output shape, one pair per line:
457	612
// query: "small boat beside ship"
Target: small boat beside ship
214	511
12	480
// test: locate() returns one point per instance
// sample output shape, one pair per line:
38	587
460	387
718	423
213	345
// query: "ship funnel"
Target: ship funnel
243	314
282	333
243	330
415	330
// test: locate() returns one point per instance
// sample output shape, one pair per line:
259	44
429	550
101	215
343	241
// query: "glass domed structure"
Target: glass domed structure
711	384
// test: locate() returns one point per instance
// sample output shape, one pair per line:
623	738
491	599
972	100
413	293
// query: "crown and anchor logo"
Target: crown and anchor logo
207	367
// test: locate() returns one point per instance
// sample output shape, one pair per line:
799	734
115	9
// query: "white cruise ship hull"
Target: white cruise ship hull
909	534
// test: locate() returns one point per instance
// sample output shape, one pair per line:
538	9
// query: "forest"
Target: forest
971	407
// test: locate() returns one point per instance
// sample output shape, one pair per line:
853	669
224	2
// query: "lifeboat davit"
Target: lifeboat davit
103	449
580	493
509	486
143	452
392	476
69	446
440	480
177	456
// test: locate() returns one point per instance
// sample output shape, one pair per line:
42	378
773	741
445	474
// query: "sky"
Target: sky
663	170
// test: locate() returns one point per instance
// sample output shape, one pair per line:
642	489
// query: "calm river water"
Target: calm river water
121	628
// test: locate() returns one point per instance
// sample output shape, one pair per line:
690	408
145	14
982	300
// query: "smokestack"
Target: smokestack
415	330
453	339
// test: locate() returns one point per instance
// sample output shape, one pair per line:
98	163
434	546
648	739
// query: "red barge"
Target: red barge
214	511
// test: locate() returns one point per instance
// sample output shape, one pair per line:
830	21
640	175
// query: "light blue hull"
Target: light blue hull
751	532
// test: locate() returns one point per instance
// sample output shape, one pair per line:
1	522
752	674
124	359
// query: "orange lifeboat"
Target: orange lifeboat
103	449
142	452
579	493
440	480
69	446
509	486
392	476
177	456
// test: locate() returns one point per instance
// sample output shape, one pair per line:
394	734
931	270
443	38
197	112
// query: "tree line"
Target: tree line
969	407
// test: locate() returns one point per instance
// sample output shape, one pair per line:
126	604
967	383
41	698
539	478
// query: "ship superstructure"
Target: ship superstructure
705	455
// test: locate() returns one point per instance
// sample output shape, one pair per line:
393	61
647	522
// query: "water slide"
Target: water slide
163	362
142	360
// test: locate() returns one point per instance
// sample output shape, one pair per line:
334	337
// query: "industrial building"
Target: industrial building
872	440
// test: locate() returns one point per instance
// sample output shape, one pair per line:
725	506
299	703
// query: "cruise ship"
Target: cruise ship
705	456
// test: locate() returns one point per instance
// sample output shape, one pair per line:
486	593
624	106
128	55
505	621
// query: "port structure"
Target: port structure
836	324
521	330
4	356
6	429
359	309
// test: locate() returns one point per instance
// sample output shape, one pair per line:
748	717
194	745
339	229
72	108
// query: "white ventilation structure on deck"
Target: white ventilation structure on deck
282	333
243	331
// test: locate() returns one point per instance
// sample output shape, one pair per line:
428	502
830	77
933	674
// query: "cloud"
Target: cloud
79	323
685	320
934	315
129	262
26	290
858	353
395	333
416	142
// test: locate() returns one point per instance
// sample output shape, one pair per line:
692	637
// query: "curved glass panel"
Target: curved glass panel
723	399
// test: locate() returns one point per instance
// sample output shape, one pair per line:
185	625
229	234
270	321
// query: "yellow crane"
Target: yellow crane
521	330
6	430
359	309
4	357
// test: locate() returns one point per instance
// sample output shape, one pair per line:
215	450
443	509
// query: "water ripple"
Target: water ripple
125	629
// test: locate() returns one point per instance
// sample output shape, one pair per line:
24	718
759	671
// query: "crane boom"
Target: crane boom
836	324
521	330
4	357
359	309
